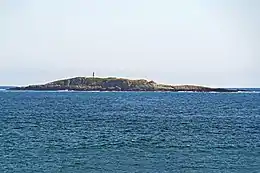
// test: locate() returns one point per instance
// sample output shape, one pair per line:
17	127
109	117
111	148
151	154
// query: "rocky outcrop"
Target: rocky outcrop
116	84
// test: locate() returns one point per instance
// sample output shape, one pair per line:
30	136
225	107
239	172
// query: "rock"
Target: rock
116	84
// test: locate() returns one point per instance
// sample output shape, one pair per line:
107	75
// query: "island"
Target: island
116	84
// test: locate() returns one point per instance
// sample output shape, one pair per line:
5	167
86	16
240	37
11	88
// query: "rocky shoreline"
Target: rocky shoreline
116	84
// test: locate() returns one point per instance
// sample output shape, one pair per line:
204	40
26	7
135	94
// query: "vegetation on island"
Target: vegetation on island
116	84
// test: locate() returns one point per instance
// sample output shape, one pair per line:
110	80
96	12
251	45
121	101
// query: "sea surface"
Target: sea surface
144	132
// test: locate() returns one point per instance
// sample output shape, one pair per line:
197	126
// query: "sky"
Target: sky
213	43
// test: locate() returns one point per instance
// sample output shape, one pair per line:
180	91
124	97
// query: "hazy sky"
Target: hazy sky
206	42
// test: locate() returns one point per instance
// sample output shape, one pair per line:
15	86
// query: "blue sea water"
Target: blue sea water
129	132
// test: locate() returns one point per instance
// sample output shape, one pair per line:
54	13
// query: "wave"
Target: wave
211	92
248	92
64	90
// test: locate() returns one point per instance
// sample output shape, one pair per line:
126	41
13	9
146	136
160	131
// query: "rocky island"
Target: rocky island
115	84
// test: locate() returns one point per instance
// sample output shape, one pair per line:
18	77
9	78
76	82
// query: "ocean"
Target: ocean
146	132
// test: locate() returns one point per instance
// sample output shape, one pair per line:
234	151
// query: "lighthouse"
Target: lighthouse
93	75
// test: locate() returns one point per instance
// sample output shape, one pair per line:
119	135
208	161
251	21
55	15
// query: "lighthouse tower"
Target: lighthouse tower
93	75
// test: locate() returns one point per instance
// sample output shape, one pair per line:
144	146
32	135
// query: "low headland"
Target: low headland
116	84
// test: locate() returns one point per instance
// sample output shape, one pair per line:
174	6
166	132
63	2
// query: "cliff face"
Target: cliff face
115	84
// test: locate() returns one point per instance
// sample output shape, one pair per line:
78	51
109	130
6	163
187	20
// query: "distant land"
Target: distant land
116	84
